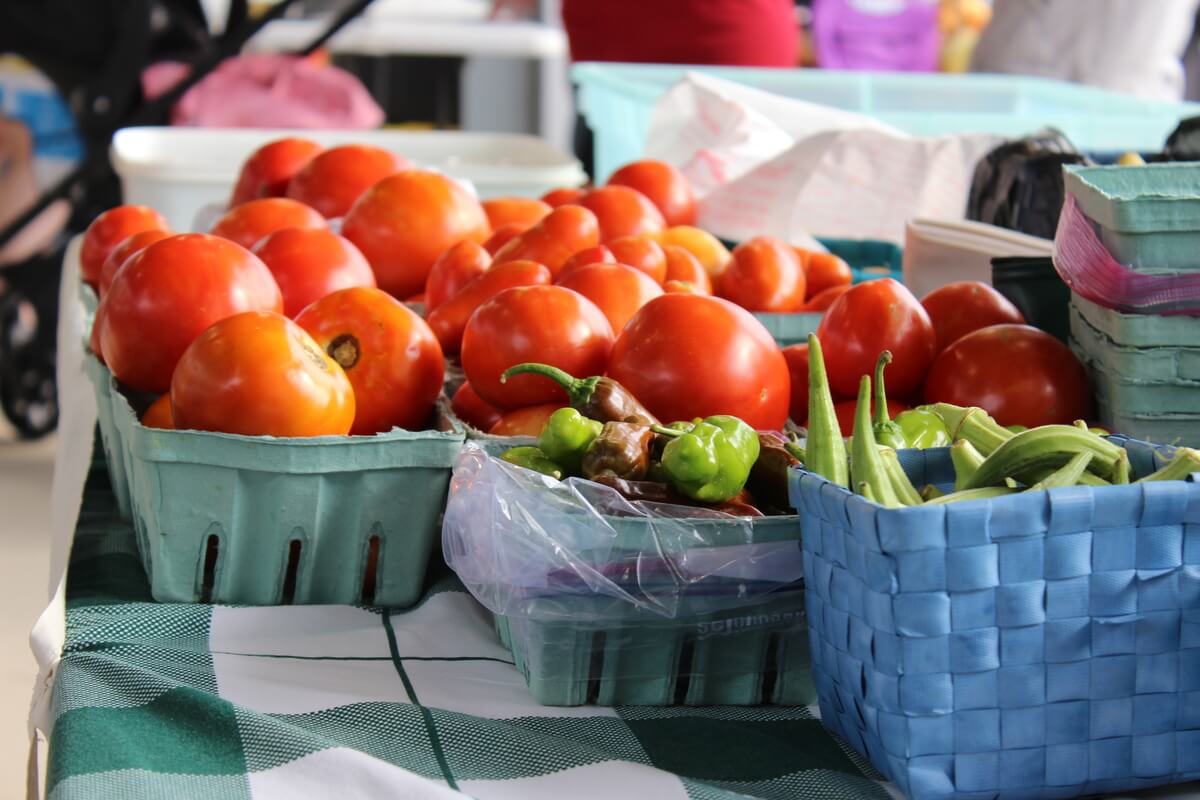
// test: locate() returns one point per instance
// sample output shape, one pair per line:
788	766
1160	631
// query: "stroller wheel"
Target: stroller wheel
28	389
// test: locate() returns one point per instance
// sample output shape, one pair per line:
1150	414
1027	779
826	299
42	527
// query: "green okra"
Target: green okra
866	464
966	460
824	449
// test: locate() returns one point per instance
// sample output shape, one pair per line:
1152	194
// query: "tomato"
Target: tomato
617	290
1017	373
268	170
685	267
449	319
158	415
333	180
416	299
470	408
389	354
259	374
309	263
523	211
566	195
453	271
564	232
823	300
682	287
642	253
502	236
872	317
765	275
825	271
251	222
110	229
527	421
665	185
622	211
845	412
589	255
406	221
96	335
797	361
123	252
166	295
686	356
707	249
956	309
546	324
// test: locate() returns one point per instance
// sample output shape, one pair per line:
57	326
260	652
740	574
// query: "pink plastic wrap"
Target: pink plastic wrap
1087	266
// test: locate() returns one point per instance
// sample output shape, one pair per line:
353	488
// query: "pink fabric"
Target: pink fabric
268	91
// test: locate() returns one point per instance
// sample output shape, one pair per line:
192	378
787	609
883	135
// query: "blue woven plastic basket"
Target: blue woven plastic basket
1033	646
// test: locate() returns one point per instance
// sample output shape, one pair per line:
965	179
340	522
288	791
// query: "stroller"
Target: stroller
95	53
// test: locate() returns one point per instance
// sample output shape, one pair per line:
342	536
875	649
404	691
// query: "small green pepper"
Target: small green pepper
711	461
567	436
534	459
887	432
923	429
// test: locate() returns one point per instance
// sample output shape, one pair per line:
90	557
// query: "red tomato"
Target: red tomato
123	252
451	273
564	232
309	263
823	300
845	412
682	287
797	361
764	275
546	324
566	195
449	319
683	266
416	299
527	421
617	290
95	337
165	297
333	180
622	212
406	221
502	236
259	374
1018	374
110	229
824	271
872	317
665	185
470	408
642	253
589	255
523	211
389	354
158	415
956	309
269	168
686	356
251	222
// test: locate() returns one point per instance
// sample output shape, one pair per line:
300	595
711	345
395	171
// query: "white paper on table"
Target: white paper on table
938	252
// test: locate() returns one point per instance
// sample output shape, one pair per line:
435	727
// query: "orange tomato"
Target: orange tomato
309	263
824	299
824	271
563	196
707	249
665	185
523	211
334	179
268	170
456	268
684	267
502	236
406	221
110	229
564	232
622	211
589	255
642	253
158	415
449	319
123	252
259	374
682	287
389	354
251	222
616	289
527	421
765	275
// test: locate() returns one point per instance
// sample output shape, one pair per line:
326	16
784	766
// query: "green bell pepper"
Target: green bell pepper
534	459
567	436
922	429
711	461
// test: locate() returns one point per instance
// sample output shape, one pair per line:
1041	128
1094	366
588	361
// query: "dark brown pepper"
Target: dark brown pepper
622	449
768	476
598	397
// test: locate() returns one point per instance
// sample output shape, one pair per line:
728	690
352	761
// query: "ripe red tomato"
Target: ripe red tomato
158	415
259	374
1017	373
685	267
797	361
95	337
449	320
622	212
642	253
823	300
123	252
268	170
617	290
764	275
389	354
872	317
251	222
956	309
589	255
453	271
565	195
564	232
404	222
546	324
166	295
527	421
665	185
845	412
523	211
686	356
110	229
502	236
309	263
333	180
471	409
824	271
